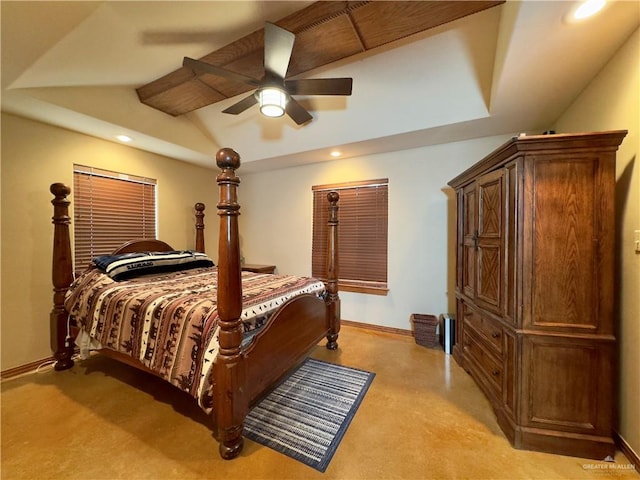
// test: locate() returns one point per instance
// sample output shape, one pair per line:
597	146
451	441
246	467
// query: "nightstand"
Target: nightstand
253	267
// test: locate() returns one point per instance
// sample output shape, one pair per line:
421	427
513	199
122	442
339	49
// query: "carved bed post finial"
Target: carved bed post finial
230	404
61	276
199	227
333	300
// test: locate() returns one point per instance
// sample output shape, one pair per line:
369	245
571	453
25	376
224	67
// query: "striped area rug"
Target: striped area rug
306	416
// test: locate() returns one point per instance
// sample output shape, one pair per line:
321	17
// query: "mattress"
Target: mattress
168	322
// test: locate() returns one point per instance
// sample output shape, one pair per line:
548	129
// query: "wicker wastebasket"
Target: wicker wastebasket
425	330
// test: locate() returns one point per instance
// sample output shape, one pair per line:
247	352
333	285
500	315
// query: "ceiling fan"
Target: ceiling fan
274	93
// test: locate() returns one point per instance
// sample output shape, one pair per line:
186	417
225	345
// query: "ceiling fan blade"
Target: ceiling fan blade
319	86
242	105
200	67
278	45
297	112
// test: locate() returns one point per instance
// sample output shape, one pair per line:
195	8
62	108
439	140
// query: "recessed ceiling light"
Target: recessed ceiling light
586	9
124	138
335	153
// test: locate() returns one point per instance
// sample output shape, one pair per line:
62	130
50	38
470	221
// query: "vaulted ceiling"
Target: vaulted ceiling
325	32
422	72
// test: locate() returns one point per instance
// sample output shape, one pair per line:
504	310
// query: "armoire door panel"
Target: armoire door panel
564	248
511	255
469	222
469	240
459	241
558	373
490	205
489	272
489	242
469	270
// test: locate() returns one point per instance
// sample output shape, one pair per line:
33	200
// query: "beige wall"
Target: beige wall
34	155
275	224
612	102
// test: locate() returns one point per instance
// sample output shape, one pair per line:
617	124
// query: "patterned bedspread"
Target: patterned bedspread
168	322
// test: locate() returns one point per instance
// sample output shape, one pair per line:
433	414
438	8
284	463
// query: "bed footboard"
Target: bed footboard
241	377
275	350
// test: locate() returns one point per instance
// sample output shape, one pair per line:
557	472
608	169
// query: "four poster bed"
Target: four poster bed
227	353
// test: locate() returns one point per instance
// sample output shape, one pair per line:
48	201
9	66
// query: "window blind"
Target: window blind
109	209
362	238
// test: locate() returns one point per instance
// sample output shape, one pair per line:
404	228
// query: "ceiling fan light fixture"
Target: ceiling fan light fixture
273	101
275	94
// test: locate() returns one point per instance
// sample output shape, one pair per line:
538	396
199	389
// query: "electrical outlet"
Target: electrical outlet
636	241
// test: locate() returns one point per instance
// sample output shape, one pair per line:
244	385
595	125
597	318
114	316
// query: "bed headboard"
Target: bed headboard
143	245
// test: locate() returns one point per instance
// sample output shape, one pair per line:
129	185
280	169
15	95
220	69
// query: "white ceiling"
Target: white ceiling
512	68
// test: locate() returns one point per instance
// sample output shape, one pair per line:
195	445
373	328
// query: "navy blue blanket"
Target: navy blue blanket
129	265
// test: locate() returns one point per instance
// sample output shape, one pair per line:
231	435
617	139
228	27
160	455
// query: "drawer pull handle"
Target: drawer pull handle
495	334
495	373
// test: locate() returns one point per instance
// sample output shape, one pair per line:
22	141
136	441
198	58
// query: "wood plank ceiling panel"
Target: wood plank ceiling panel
325	31
311	48
408	18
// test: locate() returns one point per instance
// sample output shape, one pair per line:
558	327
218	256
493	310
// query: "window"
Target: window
362	235
109	209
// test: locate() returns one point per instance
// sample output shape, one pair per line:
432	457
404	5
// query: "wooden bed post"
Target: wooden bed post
62	276
333	300
199	227
230	402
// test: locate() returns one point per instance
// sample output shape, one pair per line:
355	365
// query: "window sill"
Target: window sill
382	291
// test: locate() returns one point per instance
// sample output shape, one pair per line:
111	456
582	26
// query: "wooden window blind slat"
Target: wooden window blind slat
110	208
363	232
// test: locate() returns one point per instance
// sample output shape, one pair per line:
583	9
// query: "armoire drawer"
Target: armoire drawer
486	328
481	359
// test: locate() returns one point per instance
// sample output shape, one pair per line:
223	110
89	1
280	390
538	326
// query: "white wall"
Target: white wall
612	102
276	219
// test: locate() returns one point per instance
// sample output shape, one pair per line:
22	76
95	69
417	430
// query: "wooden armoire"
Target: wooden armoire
535	314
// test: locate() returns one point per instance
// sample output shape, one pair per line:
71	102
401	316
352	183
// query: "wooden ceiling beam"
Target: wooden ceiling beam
326	31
